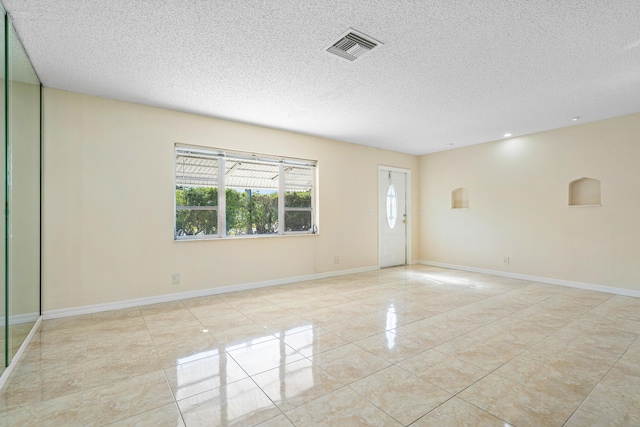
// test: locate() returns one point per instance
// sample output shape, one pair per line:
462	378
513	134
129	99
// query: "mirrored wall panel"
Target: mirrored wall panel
23	190
3	174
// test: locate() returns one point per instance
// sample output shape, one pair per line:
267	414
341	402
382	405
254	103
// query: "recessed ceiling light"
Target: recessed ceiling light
450	145
507	135
575	119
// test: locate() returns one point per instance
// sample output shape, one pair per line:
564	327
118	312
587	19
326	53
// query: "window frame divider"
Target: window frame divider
222	197
281	198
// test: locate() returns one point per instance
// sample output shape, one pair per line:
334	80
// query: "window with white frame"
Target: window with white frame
224	194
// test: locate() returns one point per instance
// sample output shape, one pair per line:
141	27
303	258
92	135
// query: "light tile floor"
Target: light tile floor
419	346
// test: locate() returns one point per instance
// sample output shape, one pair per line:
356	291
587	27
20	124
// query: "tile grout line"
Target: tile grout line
601	379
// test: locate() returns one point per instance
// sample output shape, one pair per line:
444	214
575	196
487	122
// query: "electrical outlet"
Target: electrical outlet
506	260
175	279
371	212
336	260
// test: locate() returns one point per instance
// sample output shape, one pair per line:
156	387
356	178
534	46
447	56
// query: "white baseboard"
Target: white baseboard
16	357
95	308
18	319
549	280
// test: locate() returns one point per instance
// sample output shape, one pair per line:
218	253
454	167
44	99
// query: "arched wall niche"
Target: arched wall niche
460	198
585	192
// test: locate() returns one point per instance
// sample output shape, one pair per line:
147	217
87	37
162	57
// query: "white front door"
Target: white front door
392	217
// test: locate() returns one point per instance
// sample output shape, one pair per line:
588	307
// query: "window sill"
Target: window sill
243	237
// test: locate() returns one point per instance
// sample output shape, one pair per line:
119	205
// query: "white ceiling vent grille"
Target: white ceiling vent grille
352	45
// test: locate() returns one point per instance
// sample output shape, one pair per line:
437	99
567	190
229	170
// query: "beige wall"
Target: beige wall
108	204
518	199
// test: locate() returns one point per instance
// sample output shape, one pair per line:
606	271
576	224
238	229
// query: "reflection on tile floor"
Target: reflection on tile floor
419	346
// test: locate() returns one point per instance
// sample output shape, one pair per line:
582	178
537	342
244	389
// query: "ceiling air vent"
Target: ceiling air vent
352	45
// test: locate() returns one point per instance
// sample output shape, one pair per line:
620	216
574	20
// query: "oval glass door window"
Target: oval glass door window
392	206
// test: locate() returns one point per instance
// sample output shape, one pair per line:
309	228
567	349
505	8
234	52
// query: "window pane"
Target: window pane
297	199
252	211
196	222
297	221
298	182
196	169
237	214
263	212
392	206
196	187
241	174
251	197
196	196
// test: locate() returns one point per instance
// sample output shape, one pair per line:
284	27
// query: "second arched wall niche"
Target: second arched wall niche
585	192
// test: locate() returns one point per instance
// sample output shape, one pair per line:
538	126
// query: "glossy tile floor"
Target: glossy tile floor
417	346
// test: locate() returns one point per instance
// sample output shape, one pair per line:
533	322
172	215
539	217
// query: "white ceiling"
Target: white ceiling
449	72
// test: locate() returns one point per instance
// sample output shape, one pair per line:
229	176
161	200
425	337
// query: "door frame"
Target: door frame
407	240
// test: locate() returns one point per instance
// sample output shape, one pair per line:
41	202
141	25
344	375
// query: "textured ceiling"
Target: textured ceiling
449	72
